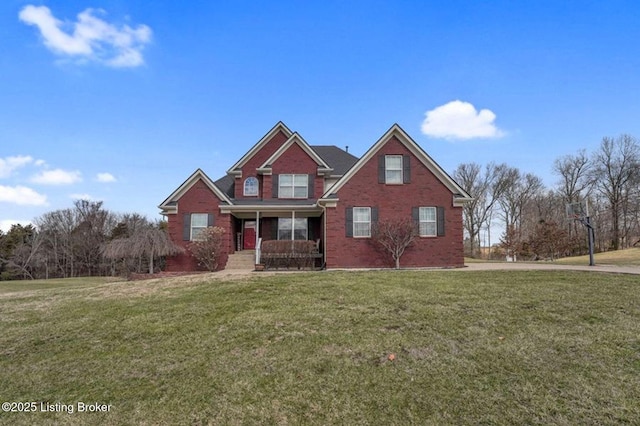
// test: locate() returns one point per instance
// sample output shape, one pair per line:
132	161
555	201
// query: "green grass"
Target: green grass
470	348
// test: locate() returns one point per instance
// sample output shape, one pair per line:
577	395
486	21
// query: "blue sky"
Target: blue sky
121	101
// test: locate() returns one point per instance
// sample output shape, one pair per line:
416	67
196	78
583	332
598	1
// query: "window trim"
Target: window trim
192	227
426	221
388	169
354	234
257	187
293	185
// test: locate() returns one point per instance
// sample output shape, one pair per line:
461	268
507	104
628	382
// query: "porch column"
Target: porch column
257	237
293	224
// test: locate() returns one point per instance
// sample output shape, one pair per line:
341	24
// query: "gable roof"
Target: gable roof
298	140
338	159
279	127
460	195
170	204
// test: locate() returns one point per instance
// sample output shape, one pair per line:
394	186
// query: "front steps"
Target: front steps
242	260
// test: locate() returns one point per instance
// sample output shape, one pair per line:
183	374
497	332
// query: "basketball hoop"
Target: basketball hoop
577	211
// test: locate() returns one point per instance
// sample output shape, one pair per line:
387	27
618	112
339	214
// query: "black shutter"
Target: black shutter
274	228
348	223
440	217
381	169
374	215
186	227
415	214
211	220
310	192
406	169
274	190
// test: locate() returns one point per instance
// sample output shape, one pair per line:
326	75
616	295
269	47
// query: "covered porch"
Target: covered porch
253	225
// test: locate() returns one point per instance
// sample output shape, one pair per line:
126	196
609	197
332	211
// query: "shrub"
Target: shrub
208	248
287	253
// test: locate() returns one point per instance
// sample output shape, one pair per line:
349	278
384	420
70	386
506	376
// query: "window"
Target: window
199	222
428	223
393	169
293	186
362	221
251	186
285	228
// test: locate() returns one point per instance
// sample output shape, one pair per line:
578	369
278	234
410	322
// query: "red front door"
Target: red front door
249	235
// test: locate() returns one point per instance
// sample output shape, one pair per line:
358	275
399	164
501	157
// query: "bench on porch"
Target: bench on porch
288	254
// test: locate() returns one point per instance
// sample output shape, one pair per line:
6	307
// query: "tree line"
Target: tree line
534	218
85	240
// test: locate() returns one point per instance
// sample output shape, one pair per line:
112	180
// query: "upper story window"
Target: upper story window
393	169
427	221
251	186
293	186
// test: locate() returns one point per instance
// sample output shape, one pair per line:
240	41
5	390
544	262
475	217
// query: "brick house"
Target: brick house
285	189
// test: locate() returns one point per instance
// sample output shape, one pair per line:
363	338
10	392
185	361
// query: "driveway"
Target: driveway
530	266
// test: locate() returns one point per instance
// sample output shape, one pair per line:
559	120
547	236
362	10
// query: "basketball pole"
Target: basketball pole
587	222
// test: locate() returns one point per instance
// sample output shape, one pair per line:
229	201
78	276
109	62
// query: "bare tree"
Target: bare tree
616	166
21	251
574	174
486	187
518	191
395	235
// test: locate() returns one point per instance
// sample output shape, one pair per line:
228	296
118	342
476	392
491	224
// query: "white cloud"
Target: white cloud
105	177
9	164
5	225
92	38
57	177
460	120
22	196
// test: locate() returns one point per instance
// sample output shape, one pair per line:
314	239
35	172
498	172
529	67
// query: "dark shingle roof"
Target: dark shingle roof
226	185
338	159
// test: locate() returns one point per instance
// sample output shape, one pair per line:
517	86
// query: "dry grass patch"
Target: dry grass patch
393	347
627	257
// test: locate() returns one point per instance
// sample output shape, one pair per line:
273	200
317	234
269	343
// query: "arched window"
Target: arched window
251	186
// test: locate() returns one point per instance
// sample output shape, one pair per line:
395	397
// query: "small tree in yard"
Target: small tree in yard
208	248
148	242
395	235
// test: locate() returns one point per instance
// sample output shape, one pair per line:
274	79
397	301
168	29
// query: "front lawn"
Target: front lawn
393	347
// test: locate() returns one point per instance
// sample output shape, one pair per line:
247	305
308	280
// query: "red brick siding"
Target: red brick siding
296	160
249	169
363	190
198	199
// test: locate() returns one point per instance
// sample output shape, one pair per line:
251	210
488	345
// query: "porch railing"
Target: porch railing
258	249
